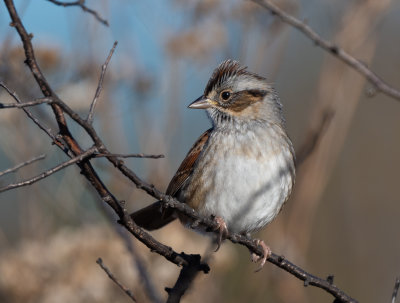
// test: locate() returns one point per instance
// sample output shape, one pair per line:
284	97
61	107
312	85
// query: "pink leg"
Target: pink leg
223	231
266	253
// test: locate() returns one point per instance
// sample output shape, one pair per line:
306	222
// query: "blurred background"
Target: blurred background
343	217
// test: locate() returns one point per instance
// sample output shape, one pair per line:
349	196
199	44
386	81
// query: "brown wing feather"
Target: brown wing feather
187	164
153	216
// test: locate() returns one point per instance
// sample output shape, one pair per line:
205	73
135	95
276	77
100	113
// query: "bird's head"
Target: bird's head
235	94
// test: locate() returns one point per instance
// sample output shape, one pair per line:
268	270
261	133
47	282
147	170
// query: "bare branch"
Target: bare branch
333	49
81	4
51	171
25	104
89	118
72	147
115	280
32	117
130	156
15	168
185	279
395	289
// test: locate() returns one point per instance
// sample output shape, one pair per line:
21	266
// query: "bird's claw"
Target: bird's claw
223	231
266	253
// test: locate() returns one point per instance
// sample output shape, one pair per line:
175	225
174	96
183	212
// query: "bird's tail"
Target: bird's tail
153	216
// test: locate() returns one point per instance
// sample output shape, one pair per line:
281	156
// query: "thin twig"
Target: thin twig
25	104
395	289
115	280
333	49
51	171
89	118
14	95
81	4
15	168
130	156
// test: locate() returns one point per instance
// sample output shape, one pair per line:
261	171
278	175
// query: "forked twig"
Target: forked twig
14	95
51	171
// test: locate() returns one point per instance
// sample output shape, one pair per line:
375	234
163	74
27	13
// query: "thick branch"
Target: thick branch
333	49
185	279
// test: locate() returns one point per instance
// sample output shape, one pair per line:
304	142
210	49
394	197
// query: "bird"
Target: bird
241	171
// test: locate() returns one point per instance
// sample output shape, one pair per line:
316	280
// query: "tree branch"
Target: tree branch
15	168
25	104
34	119
130	156
81	4
395	289
89	118
115	280
73	147
333	49
51	171
185	279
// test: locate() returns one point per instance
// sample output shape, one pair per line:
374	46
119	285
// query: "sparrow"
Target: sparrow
242	170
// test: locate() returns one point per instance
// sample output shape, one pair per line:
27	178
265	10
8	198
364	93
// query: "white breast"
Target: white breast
250	178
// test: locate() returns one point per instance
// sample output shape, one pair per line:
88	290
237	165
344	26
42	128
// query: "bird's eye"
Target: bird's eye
225	95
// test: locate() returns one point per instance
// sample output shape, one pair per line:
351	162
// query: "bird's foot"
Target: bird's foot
223	231
266	253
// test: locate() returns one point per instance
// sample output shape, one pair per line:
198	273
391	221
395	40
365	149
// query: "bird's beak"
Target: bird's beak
201	103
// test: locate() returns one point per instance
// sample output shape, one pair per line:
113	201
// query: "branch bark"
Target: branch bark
333	49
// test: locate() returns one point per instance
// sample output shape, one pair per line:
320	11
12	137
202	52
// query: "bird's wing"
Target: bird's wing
154	216
187	164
